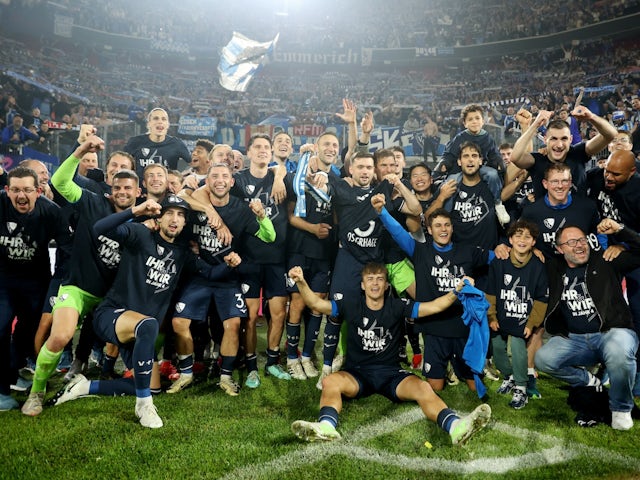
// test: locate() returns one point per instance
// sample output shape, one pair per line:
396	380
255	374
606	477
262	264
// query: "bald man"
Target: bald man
616	190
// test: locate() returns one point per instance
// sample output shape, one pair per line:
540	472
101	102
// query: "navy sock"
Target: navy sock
313	329
331	337
273	357
293	339
108	364
185	365
228	362
445	418
252	362
328	414
113	388
143	349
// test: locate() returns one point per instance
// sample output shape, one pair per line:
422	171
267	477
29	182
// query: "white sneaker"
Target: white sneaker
326	371
502	215
337	363
309	368
183	381
294	367
229	385
621	420
314	431
148	415
78	387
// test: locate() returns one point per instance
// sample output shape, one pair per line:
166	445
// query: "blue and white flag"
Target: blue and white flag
241	59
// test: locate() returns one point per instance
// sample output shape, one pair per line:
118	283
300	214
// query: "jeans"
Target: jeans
564	359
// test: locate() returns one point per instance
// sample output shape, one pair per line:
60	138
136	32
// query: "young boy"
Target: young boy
493	166
517	291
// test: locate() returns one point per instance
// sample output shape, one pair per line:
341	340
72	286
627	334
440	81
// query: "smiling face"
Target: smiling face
116	163
328	149
155	180
420	180
23	193
474	122
619	168
220	181
386	165
282	146
577	254
558	141
374	285
441	230
558	186
522	241
124	192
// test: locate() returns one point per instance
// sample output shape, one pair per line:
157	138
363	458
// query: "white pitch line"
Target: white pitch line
351	448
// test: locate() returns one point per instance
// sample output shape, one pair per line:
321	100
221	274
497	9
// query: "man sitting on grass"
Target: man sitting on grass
375	332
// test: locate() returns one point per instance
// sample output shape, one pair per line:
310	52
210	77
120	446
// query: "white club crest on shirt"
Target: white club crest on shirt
549	222
439	260
145	152
463	195
365	321
244	287
250	189
565	280
160	249
507	279
202	217
11	226
180	307
337	296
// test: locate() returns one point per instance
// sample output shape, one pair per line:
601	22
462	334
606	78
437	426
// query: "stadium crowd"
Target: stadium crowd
151	260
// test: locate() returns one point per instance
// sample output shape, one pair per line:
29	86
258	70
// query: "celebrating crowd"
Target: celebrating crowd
151	260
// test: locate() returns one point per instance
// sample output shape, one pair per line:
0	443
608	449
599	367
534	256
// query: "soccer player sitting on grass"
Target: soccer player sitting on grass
375	332
517	292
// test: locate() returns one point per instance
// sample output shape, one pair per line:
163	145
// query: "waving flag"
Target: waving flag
241	59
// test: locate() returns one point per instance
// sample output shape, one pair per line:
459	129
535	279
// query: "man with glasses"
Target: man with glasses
559	207
588	318
28	221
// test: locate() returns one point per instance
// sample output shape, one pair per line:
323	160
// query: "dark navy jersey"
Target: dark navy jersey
580	212
515	290
149	270
621	204
437	272
94	260
24	239
317	211
577	305
576	159
360	231
374	337
248	187
240	220
473	216
147	152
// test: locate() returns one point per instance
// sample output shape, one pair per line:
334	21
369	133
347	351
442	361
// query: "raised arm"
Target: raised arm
606	131
311	300
62	179
521	154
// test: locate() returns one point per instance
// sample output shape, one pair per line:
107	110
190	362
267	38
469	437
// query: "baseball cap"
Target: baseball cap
173	201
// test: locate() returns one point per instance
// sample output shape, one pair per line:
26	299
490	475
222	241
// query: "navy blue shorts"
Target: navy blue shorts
194	300
316	272
272	278
347	276
438	351
104	326
381	379
52	294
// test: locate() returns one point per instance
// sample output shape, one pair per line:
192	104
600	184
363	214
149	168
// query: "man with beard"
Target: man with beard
93	262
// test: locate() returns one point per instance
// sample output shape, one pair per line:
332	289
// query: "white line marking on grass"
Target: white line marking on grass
350	447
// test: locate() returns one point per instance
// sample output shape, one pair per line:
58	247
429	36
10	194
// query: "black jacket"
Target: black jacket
604	284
